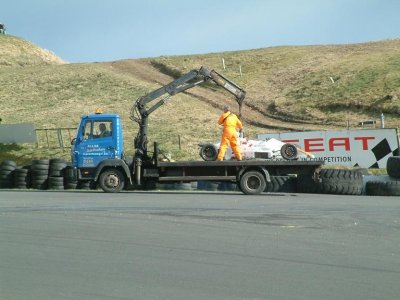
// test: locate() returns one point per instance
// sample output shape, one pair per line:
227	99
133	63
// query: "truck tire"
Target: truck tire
289	151
393	166
112	181
208	152
252	183
340	182
383	188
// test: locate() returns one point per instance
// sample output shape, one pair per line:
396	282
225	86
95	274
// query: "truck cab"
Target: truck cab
98	145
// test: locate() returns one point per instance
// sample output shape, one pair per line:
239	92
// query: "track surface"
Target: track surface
92	245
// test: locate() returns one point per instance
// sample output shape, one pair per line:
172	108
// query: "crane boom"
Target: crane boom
142	107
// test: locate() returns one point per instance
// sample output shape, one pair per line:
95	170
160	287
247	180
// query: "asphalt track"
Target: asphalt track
93	245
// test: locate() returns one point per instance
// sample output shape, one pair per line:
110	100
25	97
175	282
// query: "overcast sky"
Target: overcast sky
98	30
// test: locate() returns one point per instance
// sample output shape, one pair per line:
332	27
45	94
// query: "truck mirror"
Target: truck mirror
73	141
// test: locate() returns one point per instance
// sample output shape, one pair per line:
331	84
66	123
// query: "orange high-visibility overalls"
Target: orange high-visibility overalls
229	137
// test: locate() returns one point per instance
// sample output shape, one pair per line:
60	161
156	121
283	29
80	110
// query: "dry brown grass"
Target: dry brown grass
288	88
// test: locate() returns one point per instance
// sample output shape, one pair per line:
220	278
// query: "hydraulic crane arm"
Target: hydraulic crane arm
140	110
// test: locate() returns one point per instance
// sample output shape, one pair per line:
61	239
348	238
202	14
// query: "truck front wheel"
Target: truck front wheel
112	181
252	183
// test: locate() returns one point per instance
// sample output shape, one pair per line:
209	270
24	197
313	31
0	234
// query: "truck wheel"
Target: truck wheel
289	151
112	181
252	183
208	152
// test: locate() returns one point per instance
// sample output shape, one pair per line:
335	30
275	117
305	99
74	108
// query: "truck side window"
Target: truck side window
87	132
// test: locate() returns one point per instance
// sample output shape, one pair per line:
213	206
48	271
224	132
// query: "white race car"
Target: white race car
250	149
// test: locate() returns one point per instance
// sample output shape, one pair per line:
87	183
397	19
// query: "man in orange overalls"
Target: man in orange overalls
229	137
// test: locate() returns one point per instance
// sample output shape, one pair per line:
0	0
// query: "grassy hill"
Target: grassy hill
288	88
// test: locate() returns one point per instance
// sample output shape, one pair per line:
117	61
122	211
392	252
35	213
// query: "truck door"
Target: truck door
95	144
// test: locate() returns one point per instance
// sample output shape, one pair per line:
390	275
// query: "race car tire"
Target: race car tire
208	152
289	151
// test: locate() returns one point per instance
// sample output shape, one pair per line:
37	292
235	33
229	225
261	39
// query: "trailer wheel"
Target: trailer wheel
208	152
289	151
252	183
112	181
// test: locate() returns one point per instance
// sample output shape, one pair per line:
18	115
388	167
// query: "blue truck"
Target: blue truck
98	149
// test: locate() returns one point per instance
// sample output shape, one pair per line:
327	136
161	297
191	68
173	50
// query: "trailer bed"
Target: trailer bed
230	170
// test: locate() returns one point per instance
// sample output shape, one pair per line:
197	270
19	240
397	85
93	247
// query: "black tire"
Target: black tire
58	166
112	181
289	151
281	184
20	172
7	168
6	176
165	186
39	184
8	163
306	184
56	181
183	186
40	162
393	166
6	184
57	161
69	174
252	183
383	188
55	187
208	152
83	185
20	187
56	173
70	186
340	182
207	185
39	173
227	186
39	167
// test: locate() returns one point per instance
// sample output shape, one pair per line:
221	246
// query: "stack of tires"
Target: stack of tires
40	174
22	177
56	174
332	181
389	187
6	174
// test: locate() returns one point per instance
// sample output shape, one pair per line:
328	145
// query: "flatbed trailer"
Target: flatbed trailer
250	175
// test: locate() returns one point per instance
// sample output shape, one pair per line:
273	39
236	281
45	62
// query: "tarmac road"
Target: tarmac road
93	245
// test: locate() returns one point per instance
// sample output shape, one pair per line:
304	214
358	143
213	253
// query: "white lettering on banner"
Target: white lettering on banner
369	148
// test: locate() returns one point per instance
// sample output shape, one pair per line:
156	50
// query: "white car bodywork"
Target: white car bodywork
250	149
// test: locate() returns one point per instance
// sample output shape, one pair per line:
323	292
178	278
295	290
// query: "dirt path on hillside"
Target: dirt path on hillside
143	70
